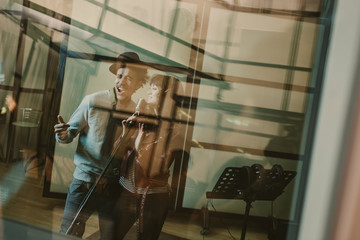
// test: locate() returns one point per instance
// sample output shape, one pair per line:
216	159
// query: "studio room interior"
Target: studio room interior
179	119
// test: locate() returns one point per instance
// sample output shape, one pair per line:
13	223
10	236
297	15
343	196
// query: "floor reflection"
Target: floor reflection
22	201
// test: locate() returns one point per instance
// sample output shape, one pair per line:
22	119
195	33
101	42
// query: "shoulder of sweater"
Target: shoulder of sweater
99	94
102	98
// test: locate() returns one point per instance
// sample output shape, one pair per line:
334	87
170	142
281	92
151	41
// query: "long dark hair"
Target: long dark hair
171	94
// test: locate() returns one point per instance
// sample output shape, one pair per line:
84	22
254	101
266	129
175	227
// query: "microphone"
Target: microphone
138	109
140	106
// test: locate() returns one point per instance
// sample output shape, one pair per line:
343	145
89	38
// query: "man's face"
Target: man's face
126	83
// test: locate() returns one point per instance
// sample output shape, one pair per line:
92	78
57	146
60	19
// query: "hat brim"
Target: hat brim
115	66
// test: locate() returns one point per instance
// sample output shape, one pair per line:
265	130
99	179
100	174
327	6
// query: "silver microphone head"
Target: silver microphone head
140	106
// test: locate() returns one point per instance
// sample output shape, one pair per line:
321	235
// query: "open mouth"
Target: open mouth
119	90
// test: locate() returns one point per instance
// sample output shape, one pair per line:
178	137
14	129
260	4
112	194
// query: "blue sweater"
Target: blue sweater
90	120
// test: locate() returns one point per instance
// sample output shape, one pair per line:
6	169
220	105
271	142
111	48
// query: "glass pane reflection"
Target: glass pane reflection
246	74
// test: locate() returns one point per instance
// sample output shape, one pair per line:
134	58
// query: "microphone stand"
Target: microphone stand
91	190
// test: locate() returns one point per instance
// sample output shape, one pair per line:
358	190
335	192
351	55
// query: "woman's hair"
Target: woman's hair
171	90
168	84
161	80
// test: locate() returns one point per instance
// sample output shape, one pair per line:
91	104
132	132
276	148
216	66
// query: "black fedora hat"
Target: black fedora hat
122	59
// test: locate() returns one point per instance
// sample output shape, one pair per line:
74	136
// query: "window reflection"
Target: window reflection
246	73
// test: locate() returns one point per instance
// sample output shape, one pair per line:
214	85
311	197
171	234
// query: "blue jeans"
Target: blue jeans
101	200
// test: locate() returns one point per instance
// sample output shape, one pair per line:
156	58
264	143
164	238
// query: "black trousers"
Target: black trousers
150	218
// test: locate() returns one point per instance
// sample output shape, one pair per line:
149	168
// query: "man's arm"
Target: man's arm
65	133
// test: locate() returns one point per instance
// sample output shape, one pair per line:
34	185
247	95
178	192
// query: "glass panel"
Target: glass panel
228	125
83	77
9	36
4	123
26	125
200	181
170	40
253	113
35	57
92	10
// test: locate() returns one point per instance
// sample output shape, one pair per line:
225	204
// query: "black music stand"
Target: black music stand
244	183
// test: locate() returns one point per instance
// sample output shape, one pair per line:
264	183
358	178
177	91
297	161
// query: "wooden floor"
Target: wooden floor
21	199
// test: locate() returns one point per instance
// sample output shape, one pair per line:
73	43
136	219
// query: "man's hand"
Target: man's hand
61	129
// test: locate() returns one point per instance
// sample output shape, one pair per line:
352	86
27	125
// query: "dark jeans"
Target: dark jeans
127	211
102	200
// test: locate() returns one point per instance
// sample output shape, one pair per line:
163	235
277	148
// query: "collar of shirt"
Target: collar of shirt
113	96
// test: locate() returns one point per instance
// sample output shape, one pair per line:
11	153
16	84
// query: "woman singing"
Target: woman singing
153	144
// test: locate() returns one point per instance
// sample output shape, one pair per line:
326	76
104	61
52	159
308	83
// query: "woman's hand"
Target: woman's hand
139	136
127	123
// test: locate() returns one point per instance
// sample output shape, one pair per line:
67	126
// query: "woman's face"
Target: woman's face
154	94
